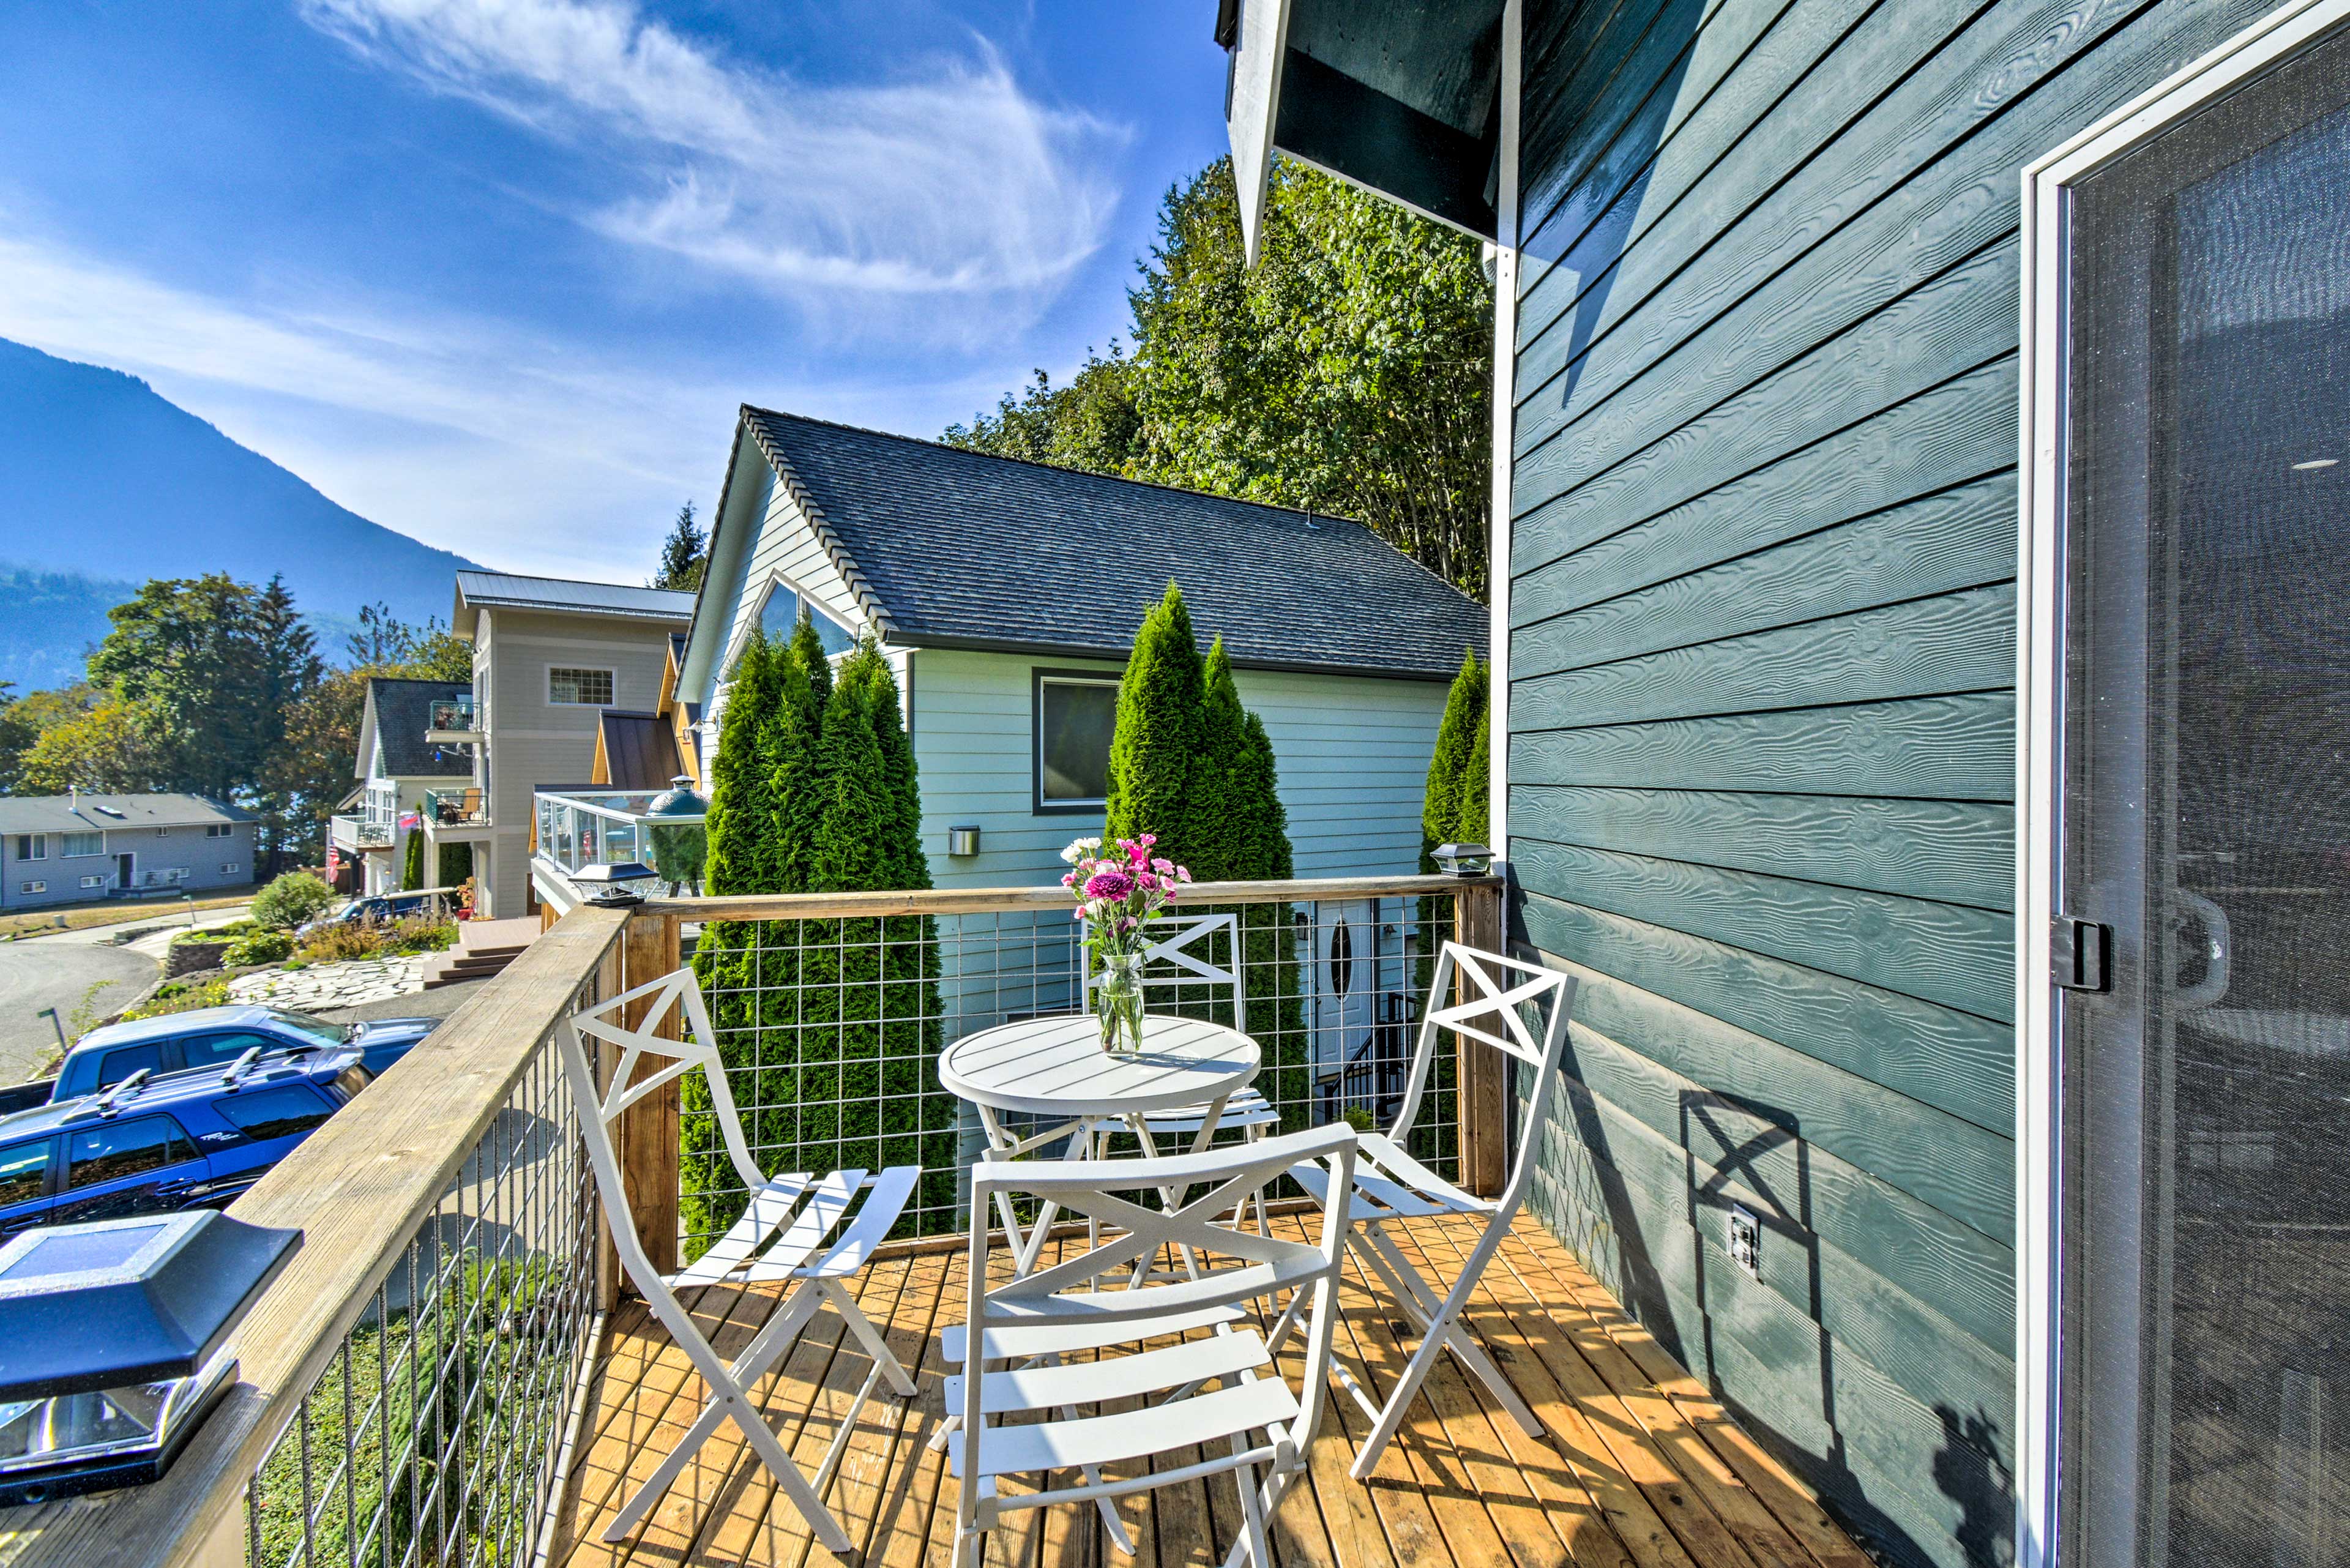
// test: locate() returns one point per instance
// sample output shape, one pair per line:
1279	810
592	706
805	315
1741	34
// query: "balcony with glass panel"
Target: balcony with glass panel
453	719
579	828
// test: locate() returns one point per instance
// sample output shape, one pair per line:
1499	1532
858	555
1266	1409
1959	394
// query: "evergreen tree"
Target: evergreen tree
738	823
1453	811
873	984
1155	748
411	861
684	553
455	866
1458	771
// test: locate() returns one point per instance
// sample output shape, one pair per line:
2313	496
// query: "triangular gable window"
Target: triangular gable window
779	612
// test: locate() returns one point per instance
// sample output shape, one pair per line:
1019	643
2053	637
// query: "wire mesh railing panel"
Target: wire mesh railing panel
832	1029
433	1434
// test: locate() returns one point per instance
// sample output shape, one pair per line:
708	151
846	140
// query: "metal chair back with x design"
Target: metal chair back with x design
807	1231
1207	1391
1391	1185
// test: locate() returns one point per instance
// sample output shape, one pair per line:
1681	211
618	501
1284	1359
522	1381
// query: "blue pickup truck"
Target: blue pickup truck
150	1144
212	1037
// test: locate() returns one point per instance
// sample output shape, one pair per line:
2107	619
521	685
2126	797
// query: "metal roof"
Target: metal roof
507	591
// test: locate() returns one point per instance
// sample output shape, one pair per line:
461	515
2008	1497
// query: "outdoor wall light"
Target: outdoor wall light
614	884
962	840
1463	859
109	1342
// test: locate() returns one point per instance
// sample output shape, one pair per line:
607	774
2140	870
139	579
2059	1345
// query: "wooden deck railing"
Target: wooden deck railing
364	1187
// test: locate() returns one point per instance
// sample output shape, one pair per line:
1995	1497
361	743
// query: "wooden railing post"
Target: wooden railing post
1478	1070
647	1134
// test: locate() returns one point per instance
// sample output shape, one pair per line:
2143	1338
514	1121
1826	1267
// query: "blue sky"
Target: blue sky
496	273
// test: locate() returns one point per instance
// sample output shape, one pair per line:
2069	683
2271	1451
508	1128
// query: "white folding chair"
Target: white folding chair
1189	949
1389	1184
1211	1384
782	1236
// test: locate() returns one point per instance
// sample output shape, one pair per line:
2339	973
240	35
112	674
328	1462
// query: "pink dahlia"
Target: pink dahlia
1109	885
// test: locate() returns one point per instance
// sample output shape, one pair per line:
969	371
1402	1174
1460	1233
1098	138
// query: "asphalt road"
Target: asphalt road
58	971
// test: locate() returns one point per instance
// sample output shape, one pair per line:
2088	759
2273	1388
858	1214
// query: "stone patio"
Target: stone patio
323	987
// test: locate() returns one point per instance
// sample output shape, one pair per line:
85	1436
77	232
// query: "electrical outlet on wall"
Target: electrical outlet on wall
1746	1241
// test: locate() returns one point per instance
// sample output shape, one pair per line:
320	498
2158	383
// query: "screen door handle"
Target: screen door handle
2214	983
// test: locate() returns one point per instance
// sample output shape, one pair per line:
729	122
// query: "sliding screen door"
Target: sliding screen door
2204	1166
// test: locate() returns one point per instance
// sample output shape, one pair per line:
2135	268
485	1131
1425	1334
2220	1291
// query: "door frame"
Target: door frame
2048	183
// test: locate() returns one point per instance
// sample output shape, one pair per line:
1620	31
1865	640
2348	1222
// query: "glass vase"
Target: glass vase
1117	1002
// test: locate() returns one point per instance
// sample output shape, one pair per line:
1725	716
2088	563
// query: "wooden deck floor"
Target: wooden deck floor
1646	1470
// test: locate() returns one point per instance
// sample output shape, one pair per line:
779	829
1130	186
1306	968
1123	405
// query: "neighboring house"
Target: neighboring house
1983	1157
73	849
551	657
1006	596
405	750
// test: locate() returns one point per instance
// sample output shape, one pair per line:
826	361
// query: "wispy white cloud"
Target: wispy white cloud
948	183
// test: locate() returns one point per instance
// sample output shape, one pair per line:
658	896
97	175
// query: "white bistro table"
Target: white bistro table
1054	1068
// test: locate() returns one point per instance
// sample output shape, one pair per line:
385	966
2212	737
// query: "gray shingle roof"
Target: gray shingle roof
505	588
403	714
56	813
960	549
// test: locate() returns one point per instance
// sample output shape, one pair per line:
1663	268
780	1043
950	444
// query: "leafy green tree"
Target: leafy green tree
684	553
1090	423
26	717
107	750
1349	371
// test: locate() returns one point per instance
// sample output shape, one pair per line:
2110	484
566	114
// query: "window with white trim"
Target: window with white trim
220	830
77	844
97	881
32	887
571	688
32	846
230	867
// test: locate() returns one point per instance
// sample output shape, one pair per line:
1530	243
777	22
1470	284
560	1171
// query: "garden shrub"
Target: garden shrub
292	899
259	946
181	996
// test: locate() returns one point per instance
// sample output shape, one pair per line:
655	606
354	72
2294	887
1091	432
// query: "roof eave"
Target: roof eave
1117	654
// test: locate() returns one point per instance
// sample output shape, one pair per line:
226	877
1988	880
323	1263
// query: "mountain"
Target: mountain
104	484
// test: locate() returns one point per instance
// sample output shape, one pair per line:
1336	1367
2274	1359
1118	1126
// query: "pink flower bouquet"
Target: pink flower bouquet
1119	891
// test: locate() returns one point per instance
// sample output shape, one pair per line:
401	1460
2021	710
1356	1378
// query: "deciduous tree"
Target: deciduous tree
1349	371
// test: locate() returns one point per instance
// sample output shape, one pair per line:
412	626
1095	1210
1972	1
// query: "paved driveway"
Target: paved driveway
59	971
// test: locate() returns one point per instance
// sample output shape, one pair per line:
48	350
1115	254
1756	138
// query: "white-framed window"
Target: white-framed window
778	615
32	846
97	881
571	687
78	844
229	868
220	830
32	887
1075	714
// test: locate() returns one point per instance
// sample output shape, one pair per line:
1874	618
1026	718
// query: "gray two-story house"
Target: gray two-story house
78	849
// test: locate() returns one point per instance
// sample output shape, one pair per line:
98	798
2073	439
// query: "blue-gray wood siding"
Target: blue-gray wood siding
1762	706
